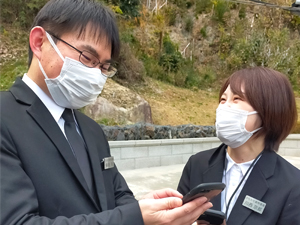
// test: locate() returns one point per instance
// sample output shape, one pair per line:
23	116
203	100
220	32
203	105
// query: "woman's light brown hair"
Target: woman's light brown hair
270	93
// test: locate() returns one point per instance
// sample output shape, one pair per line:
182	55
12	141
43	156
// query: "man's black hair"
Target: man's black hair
63	16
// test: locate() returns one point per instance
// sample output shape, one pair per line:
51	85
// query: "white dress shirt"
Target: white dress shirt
232	176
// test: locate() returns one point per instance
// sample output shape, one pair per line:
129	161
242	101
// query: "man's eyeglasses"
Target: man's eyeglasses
89	60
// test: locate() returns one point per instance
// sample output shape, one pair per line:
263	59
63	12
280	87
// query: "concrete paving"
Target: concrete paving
142	181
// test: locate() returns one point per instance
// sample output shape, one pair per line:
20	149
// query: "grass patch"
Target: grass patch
10	70
172	105
108	122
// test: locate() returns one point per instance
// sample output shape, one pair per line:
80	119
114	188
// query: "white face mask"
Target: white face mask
230	126
77	85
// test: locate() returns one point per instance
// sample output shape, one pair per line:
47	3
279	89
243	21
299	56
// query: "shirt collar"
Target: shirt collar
243	166
55	110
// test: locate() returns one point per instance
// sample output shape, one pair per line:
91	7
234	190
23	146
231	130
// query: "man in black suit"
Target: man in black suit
56	166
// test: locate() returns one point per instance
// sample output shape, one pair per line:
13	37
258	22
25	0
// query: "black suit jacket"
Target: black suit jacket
273	181
41	182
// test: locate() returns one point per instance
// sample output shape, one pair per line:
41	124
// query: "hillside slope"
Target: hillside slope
214	47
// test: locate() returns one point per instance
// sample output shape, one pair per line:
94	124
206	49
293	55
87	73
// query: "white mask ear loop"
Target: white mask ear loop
57	51
54	46
256	130
251	113
42	69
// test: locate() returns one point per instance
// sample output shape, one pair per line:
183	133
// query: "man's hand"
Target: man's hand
163	193
162	209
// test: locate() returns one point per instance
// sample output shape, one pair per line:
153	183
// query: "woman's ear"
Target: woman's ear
36	39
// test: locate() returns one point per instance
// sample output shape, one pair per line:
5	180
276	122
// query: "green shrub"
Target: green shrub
130	69
272	49
166	66
170	59
203	6
295	22
220	8
189	23
172	19
250	51
180	3
127	36
116	9
129	8
168	46
201	78
171	62
193	78
19	12
242	12
203	32
179	78
239	29
170	14
225	43
208	76
154	70
189	4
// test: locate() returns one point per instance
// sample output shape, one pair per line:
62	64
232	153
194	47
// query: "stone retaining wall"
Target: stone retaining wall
147	131
152	153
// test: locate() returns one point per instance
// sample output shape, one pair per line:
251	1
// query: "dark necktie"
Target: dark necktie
78	147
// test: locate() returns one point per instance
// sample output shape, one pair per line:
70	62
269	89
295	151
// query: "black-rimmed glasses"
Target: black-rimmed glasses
89	60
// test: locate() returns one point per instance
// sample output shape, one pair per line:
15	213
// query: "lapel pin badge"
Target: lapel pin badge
254	204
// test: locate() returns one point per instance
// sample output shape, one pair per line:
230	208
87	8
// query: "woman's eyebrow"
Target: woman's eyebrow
240	93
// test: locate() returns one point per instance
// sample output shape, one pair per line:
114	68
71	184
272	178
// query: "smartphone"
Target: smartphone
209	190
212	216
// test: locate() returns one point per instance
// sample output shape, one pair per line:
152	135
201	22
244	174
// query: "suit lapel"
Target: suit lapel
89	138
214	173
44	119
256	186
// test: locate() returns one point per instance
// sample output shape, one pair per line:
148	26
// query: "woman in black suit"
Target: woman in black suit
256	113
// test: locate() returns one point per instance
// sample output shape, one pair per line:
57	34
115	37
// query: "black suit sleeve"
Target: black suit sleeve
291	209
123	195
184	182
20	205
